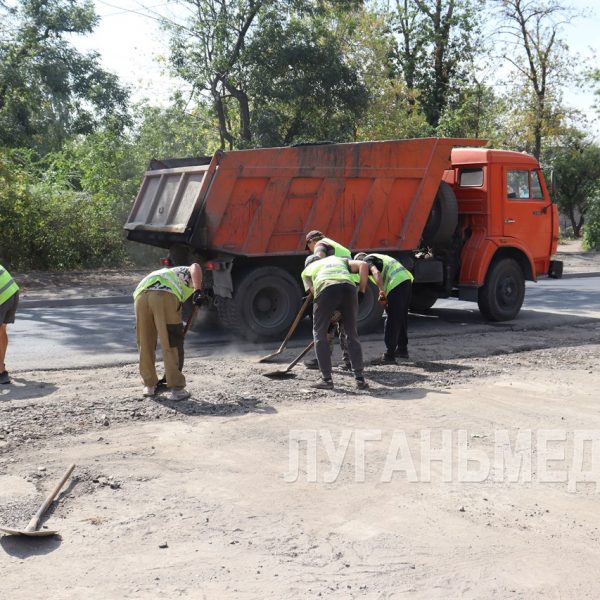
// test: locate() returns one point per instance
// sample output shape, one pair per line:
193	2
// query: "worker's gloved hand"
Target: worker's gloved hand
361	295
382	298
199	298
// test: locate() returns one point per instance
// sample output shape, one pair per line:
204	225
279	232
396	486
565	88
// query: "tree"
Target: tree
576	164
437	42
209	53
48	90
532	46
301	87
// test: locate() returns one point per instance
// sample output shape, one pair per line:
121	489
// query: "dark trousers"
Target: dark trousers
396	324
342	297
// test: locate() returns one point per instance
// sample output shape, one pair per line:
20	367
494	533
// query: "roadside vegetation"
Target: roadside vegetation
255	73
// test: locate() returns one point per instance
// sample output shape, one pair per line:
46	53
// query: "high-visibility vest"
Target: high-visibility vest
332	268
393	272
340	251
8	286
169	279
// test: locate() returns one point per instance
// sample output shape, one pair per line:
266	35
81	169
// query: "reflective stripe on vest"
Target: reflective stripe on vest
8	286
332	268
342	252
169	279
393	273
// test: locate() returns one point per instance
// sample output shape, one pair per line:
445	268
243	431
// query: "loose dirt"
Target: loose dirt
202	498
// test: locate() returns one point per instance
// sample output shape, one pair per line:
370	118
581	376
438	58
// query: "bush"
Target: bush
591	233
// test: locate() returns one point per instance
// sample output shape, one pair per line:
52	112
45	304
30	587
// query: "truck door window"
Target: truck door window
471	178
517	185
536	187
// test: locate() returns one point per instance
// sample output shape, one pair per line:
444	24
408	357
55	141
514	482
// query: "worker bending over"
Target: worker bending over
158	301
331	282
321	246
395	287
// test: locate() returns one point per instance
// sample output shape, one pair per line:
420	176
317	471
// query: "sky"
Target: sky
131	45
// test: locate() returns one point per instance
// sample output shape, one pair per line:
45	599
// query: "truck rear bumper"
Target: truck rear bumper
556	269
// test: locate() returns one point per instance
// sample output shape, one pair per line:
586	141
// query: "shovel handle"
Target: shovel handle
300	356
48	501
190	319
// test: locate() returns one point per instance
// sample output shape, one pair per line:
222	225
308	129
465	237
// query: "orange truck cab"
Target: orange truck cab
469	222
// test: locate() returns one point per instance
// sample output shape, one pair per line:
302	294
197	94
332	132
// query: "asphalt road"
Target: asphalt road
62	335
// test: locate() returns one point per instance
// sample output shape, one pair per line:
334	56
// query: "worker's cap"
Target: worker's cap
360	256
311	259
313	236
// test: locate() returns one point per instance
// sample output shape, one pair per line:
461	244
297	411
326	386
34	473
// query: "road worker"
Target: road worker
158	301
9	300
395	287
321	246
331	282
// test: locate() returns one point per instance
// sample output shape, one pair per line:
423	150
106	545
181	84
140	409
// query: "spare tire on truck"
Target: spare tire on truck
265	302
443	218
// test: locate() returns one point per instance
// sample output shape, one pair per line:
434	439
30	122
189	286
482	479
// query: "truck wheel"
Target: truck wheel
264	304
369	310
501	297
443	217
422	298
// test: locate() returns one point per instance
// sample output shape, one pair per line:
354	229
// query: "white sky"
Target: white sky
132	45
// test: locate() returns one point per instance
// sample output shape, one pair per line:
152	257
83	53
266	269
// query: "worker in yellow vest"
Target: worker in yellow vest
158	299
322	246
9	300
395	289
331	283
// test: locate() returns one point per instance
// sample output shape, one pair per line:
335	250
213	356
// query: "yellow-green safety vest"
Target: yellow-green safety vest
332	268
393	272
341	251
169	279
8	286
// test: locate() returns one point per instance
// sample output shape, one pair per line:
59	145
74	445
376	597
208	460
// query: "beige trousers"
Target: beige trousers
158	317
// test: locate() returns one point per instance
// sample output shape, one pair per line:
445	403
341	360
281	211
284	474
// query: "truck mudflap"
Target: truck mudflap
556	269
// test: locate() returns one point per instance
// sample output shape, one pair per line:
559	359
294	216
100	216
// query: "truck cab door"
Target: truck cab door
528	213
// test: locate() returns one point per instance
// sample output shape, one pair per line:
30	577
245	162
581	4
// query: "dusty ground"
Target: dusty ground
192	499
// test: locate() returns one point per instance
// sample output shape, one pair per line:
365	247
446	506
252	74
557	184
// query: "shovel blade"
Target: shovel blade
279	375
40	533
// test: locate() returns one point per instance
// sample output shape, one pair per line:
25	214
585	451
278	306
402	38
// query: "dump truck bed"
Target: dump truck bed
367	196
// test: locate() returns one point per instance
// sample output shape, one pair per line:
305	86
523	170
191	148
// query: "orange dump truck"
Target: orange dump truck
469	222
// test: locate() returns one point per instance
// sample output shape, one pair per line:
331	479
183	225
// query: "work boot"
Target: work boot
361	384
177	395
149	391
324	384
312	364
384	359
402	354
4	377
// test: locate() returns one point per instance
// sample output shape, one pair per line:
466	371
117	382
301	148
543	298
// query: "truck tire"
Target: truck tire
501	296
443	218
369	310
264	304
422	298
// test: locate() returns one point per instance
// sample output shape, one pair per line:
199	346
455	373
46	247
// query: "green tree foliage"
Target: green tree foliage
591	236
436	44
274	70
576	164
531	32
48	90
301	87
50	225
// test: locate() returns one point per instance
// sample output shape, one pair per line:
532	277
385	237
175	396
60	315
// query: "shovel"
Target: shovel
286	373
305	304
32	529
